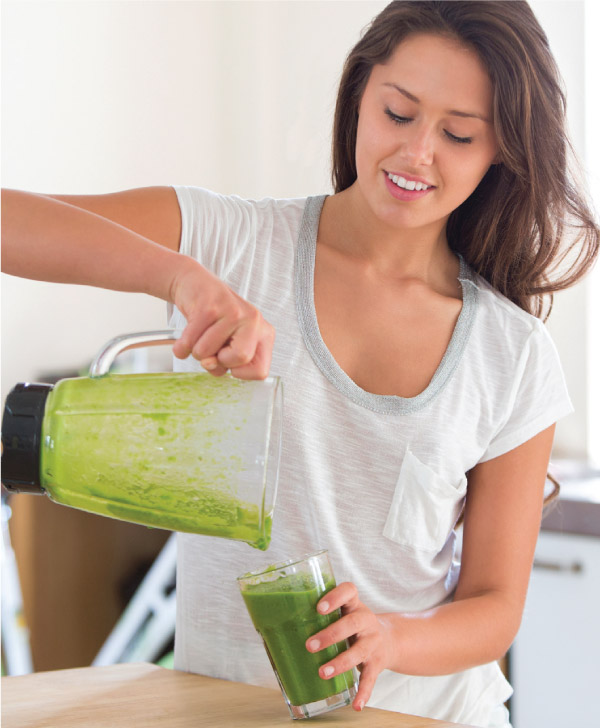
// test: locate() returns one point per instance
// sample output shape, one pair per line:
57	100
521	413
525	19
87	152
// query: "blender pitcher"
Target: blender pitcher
181	451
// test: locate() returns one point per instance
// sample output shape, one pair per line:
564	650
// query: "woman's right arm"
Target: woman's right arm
128	241
112	241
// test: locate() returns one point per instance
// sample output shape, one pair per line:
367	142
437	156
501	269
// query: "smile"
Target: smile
408	184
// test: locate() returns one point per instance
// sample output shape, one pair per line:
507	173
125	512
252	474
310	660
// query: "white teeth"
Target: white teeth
405	184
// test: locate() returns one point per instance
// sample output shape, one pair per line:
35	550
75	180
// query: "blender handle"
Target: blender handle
109	352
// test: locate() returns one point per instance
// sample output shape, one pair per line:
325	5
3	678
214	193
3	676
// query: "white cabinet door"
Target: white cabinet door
555	660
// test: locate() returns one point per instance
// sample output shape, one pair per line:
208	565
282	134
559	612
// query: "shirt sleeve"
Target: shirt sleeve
539	397
215	228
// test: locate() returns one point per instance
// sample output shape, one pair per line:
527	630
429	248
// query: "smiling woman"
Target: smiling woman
419	136
399	313
529	195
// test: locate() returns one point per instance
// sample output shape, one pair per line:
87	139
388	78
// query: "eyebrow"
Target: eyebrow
452	112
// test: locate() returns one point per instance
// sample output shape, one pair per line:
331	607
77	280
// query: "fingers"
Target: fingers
247	352
182	348
368	650
232	336
361	624
223	331
258	367
357	654
368	676
366	654
344	596
211	364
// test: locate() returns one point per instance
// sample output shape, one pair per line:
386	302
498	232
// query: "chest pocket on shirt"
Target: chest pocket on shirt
424	508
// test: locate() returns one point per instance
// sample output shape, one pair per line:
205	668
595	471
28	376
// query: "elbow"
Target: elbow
506	629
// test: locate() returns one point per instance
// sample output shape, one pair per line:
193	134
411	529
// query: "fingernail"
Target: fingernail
361	704
327	671
323	607
314	645
210	365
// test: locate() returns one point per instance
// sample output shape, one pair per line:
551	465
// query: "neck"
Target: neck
349	225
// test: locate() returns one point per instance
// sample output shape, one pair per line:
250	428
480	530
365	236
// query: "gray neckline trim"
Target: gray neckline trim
307	319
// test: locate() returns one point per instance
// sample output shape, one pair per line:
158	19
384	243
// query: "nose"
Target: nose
418	147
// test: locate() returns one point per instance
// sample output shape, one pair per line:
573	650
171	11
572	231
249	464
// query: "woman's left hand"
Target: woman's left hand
368	634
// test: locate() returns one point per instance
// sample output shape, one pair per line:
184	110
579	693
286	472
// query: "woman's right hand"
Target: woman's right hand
223	332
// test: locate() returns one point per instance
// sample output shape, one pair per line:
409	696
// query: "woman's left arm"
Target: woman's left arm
501	525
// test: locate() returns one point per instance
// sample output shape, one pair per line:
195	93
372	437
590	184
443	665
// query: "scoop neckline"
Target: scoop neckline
307	319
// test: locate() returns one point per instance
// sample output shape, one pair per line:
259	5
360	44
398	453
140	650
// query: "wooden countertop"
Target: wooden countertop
127	696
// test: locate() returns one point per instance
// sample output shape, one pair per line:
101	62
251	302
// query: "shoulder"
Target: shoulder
223	231
508	341
500	318
199	201
516	366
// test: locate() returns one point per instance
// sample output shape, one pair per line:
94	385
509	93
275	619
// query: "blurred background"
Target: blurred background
235	96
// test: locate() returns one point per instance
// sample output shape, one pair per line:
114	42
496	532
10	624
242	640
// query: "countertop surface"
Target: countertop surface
577	509
132	695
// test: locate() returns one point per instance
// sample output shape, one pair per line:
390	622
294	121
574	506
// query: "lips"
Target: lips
405	189
407	182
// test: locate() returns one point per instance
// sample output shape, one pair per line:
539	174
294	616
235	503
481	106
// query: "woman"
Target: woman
419	382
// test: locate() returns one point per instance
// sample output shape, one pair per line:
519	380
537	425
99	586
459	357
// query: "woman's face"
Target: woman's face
425	137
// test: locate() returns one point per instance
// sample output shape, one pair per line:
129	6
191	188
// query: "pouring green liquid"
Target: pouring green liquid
162	450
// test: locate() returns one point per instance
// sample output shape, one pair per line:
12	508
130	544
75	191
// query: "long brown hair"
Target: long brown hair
527	228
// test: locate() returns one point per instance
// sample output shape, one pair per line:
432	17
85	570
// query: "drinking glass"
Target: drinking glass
282	602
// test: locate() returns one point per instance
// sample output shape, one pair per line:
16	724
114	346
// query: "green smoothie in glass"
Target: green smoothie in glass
282	602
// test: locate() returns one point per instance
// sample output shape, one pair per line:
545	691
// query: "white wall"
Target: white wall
564	23
235	96
101	96
592	148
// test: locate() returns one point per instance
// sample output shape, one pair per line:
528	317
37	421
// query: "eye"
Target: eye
406	120
397	119
457	139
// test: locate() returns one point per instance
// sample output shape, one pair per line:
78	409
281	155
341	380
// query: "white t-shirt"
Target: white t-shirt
377	480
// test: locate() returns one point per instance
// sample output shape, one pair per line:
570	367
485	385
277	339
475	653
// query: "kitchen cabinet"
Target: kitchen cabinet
77	572
555	659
